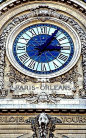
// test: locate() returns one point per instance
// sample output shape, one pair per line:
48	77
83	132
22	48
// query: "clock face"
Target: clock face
43	49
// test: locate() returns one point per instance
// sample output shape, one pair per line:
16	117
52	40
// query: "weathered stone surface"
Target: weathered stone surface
62	97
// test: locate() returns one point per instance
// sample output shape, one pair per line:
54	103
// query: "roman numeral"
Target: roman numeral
21	48
43	30
43	67
62	57
55	65
65	47
61	39
23	57
32	32
32	64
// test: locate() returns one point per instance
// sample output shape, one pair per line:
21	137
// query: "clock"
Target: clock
42	50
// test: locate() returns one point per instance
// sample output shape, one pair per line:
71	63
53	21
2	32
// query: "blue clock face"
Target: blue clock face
43	48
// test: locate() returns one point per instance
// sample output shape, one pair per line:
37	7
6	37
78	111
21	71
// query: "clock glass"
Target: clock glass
43	48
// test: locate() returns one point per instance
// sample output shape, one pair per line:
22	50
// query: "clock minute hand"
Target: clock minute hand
50	48
42	48
48	41
50	38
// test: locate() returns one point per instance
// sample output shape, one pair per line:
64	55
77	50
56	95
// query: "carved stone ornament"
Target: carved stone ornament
43	98
43	13
43	126
72	75
2	65
75	4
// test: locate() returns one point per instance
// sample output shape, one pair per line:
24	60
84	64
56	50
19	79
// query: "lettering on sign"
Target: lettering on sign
22	119
41	87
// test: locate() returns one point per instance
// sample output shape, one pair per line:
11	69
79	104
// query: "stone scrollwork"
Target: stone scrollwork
2	66
70	76
16	76
43	98
82	36
82	93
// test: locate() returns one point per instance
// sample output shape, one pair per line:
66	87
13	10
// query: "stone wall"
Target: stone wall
15	125
24	98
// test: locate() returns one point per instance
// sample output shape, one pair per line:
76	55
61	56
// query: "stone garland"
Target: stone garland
72	75
43	13
82	36
16	76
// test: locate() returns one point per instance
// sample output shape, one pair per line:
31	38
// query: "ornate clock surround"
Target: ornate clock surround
52	13
58	22
42	113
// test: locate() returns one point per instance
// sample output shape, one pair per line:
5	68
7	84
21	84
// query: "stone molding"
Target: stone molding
30	124
75	3
24	104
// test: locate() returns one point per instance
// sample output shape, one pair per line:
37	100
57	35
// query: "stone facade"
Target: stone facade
42	107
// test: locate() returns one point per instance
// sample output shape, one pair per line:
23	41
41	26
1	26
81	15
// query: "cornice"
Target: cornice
79	5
